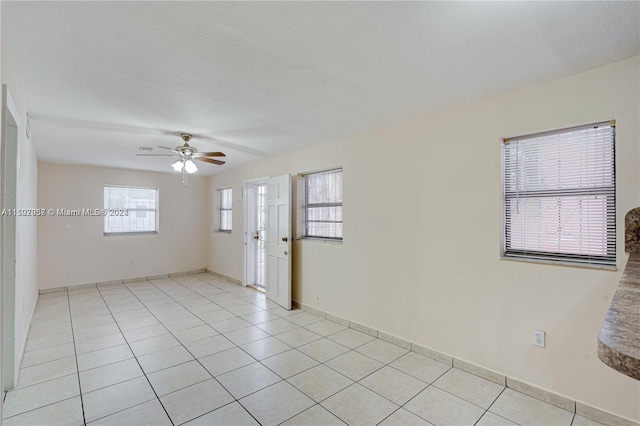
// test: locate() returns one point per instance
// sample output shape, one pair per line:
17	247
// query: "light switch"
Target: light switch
67	225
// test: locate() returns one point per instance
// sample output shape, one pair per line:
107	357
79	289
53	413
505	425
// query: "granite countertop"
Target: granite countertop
619	339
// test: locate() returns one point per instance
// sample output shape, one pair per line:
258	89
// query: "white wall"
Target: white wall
422	212
84	255
26	267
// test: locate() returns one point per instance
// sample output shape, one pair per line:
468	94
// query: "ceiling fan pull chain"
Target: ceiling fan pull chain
184	176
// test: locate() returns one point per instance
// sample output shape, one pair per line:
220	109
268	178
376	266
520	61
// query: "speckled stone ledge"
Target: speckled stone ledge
619	339
632	231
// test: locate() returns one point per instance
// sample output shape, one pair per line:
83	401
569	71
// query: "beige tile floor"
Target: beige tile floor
200	350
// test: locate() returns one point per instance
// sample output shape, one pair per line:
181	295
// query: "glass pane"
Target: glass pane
324	229
142	206
324	187
136	222
560	195
572	160
225	198
576	225
333	214
225	220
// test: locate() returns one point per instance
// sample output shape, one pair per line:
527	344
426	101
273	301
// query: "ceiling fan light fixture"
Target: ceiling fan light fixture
185	153
190	166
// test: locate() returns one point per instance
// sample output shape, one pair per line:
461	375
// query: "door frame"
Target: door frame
249	218
9	288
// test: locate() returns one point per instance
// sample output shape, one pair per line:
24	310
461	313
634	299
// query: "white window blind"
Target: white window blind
324	205
226	215
141	205
559	195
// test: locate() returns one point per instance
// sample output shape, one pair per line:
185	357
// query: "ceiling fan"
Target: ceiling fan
186	154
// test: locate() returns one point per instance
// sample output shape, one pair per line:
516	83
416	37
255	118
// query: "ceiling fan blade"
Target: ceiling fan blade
212	154
209	160
171	149
155	155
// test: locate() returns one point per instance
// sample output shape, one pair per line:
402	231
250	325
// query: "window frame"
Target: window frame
222	209
306	235
607	261
129	210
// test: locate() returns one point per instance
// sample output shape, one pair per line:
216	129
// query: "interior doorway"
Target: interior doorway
9	161
255	195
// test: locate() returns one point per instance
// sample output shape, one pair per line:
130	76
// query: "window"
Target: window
130	210
225	209
559	195
323	206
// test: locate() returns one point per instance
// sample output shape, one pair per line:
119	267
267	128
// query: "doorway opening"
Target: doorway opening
255	223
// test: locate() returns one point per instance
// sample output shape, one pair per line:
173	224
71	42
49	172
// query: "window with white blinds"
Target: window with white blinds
226	212
130	210
323	207
559	195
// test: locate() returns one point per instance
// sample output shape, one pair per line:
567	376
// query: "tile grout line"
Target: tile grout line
402	406
181	344
466	400
137	361
75	352
395	411
194	357
51	360
186	309
193	291
236	315
222	406
364	377
504	387
428	385
324	363
172	289
488	410
372	390
42	406
257	360
212	301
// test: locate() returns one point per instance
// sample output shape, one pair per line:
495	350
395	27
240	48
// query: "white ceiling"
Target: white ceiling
256	79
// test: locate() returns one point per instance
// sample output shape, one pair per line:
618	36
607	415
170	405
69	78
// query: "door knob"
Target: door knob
255	237
286	253
285	239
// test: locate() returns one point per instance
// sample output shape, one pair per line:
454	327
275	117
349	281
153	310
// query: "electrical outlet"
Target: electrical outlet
538	338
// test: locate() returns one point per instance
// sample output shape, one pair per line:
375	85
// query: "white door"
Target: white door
278	239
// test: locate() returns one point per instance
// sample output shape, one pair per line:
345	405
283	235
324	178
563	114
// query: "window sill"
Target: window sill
108	234
223	231
322	240
561	263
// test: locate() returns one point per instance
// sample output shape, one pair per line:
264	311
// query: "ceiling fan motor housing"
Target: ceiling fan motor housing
185	150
